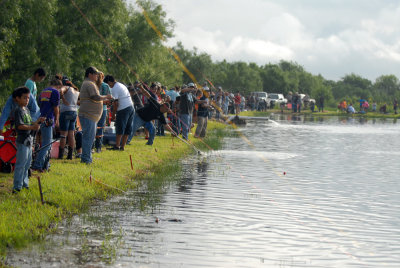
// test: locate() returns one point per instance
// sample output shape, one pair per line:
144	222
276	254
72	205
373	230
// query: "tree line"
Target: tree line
53	34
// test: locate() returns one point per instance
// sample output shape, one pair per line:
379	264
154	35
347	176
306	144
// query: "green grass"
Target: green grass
68	190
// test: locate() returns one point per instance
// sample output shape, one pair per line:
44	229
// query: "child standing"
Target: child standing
24	128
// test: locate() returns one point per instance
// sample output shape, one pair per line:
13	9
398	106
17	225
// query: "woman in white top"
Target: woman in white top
68	114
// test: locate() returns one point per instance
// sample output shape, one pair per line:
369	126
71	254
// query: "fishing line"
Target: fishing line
184	69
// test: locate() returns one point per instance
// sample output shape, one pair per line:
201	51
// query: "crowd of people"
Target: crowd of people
77	116
364	107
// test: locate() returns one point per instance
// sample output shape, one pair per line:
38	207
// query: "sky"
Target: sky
328	37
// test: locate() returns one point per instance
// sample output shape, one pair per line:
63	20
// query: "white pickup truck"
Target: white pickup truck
276	99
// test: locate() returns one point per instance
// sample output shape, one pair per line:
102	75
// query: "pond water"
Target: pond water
301	192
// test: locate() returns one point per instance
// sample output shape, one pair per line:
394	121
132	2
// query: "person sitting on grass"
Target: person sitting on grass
25	128
151	111
350	109
383	109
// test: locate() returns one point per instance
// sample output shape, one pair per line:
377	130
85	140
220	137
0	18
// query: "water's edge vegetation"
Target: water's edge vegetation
70	187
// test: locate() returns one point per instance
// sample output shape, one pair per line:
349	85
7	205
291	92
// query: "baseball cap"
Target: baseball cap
91	70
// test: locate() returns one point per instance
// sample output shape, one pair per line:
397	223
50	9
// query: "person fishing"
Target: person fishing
151	111
49	108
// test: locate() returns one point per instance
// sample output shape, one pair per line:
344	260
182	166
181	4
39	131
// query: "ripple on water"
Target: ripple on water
337	206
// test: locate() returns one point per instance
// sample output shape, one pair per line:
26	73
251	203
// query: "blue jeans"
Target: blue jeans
139	122
100	129
67	120
176	124
88	135
160	128
46	134
148	125
186	122
22	165
226	109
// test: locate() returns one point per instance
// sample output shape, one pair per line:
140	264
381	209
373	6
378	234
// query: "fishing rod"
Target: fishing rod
121	59
190	144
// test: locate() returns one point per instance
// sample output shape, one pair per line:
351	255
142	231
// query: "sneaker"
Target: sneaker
147	143
15	191
115	148
78	156
122	149
25	187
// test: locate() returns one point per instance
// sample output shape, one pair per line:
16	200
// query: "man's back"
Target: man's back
90	108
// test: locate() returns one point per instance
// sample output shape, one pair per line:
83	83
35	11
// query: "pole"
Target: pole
130	156
40	190
194	147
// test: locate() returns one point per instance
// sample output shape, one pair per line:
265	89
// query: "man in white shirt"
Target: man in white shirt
123	111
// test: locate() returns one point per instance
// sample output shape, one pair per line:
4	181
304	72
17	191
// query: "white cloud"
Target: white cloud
328	37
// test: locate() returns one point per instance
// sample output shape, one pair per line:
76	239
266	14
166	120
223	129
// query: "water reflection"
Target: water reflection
196	174
313	192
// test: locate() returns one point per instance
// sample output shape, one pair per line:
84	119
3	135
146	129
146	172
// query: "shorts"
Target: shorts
123	122
67	120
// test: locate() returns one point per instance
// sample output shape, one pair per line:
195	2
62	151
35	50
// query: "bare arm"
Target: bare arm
168	127
34	126
114	110
188	89
145	92
57	115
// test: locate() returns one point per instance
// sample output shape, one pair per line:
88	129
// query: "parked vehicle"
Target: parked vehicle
276	99
261	95
262	100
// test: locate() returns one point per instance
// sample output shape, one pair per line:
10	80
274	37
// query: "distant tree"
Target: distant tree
387	85
274	79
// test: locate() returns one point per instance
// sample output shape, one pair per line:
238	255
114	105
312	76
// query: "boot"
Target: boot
60	153
70	151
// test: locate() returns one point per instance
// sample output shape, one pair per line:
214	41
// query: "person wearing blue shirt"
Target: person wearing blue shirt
173	94
49	101
38	76
34	110
105	90
350	109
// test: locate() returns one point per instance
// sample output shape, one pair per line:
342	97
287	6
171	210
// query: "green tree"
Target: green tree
386	88
274	79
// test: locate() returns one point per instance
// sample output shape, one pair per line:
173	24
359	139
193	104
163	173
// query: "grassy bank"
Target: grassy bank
325	113
68	189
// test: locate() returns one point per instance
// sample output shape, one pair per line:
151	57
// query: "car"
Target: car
262	100
276	98
261	95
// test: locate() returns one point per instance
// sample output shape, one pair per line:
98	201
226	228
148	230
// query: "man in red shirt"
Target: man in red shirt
238	100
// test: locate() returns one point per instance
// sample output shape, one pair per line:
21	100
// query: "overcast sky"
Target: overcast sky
328	37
